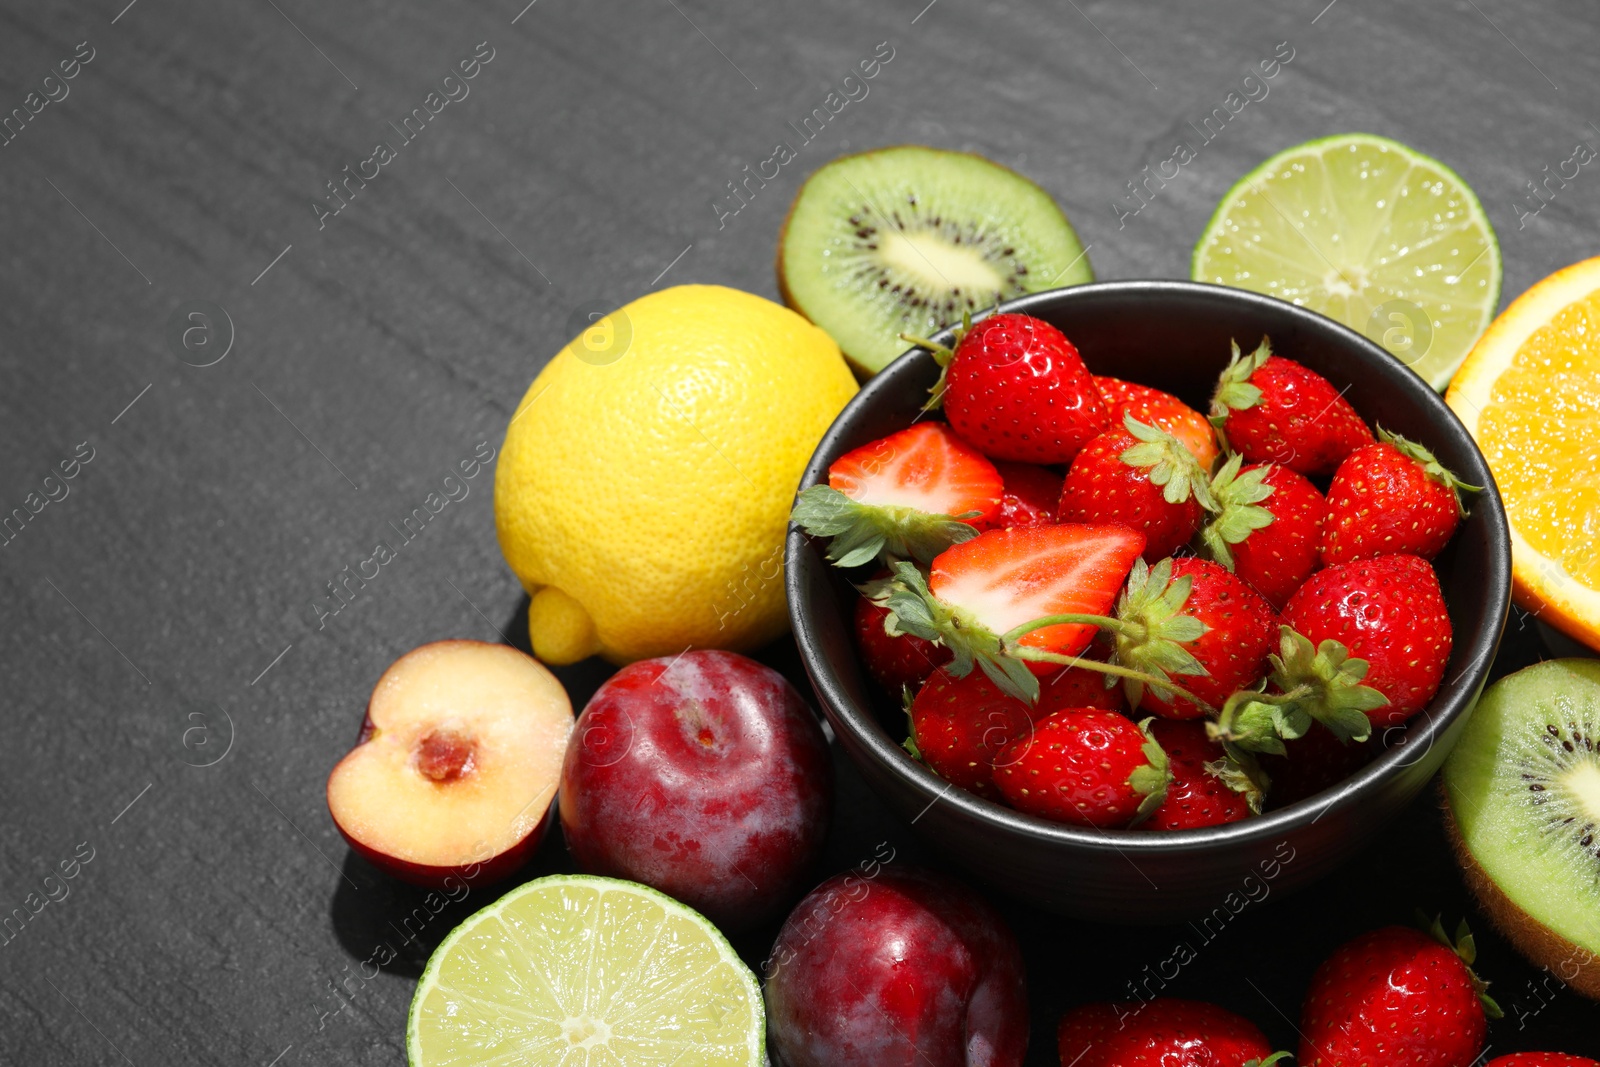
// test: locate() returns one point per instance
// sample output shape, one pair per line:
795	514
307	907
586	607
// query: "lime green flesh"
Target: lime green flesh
586	972
902	240
1364	230
1527	807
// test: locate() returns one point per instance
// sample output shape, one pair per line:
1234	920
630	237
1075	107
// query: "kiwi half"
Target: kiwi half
1522	802
902	240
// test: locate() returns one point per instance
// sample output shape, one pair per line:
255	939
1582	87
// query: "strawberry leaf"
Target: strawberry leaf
1241	772
1325	684
1151	779
1239	513
1465	947
1171	465
942	355
1153	628
1269	1061
1251	721
1234	391
1430	466
863	532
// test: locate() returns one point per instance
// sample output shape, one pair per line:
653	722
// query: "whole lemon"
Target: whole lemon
643	490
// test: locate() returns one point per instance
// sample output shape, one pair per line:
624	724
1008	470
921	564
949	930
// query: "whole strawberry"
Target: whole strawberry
1192	621
1313	763
1029	497
1091	768
1155	408
1391	497
1164	1032
1396	997
1196	797
1542	1059
1389	612
959	725
909	495
1142	478
1271	409
1017	388
894	661
1268	527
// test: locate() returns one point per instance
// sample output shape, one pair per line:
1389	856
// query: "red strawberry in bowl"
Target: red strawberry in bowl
893	660
1363	645
1155	408
1141	477
1030	495
1267	528
1388	498
1196	796
909	495
1191	619
1389	612
1313	763
1271	409
1082	766
1164	1032
1017	388
1399	997
959	725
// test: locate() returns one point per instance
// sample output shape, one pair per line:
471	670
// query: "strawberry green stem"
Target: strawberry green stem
1038	655
1105	622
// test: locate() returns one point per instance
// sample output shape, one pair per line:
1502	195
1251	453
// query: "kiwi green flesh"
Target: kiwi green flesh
1522	788
902	240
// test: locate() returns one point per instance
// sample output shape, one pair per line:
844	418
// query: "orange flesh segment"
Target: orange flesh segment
1540	432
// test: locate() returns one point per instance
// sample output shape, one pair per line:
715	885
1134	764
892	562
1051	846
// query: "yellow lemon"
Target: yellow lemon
1530	396
644	487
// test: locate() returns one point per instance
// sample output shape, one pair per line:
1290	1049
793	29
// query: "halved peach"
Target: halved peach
456	766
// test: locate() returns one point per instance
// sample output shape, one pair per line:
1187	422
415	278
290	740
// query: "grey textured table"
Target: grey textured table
172	704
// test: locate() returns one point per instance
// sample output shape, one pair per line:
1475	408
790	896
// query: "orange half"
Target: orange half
1529	393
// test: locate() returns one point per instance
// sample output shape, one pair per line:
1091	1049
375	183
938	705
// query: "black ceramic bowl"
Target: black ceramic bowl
1174	336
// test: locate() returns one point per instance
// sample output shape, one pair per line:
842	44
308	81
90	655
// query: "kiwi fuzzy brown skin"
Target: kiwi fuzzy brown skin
787	296
1574	965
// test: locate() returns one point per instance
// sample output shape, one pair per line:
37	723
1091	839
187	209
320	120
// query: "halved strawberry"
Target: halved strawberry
1156	408
982	590
1268	408
1005	578
909	495
1142	477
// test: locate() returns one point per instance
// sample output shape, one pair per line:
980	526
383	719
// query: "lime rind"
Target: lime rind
509	991
1350	274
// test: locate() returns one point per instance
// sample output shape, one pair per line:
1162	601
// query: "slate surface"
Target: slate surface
163	610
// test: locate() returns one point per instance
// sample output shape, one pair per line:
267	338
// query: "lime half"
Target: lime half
1384	239
586	972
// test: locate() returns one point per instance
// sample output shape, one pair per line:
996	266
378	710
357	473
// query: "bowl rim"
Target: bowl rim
1422	730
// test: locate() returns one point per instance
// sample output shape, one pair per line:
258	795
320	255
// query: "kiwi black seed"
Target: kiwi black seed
903	240
1522	799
